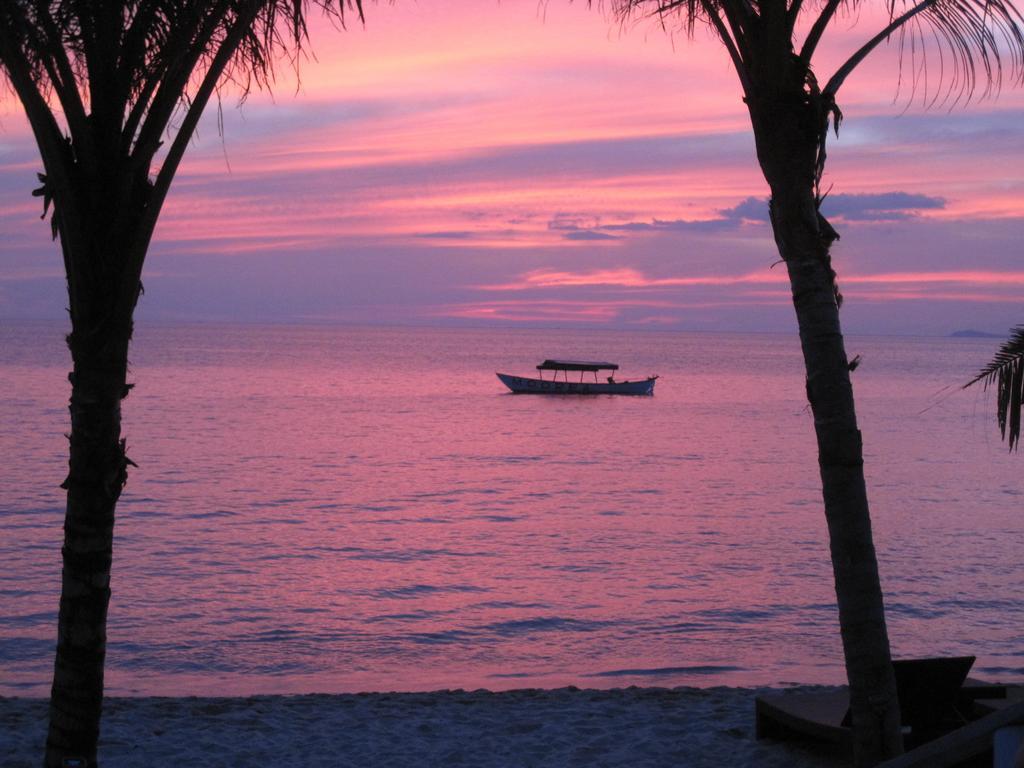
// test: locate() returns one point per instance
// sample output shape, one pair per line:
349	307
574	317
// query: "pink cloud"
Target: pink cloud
979	277
589	311
911	295
449	139
624	277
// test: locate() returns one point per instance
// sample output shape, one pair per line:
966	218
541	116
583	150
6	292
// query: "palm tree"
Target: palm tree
1006	372
104	84
772	44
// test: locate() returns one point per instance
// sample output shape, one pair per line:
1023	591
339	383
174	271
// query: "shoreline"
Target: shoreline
634	727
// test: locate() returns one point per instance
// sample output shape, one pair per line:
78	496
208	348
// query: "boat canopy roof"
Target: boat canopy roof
575	365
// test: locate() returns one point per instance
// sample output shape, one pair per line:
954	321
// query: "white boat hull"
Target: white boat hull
524	386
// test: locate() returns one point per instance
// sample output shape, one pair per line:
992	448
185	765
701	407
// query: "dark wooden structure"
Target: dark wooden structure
969	745
936	697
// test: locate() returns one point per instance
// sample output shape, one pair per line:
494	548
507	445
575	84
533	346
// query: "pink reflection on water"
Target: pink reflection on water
352	509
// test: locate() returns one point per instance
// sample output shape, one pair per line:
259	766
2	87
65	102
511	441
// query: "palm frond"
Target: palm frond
953	49
1006	373
128	60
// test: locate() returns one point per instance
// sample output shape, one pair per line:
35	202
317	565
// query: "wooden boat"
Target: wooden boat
540	386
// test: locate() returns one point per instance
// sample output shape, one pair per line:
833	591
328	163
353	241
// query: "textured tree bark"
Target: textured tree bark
787	129
101	101
873	698
96	476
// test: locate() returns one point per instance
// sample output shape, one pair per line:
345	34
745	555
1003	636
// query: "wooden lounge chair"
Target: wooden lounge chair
1006	696
962	745
933	700
816	715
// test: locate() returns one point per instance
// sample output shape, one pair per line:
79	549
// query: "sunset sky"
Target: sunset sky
471	162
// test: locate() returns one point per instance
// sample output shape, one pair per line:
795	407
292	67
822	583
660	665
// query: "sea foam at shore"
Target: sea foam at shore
635	727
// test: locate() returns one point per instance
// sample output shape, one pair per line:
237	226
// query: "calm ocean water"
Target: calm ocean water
343	509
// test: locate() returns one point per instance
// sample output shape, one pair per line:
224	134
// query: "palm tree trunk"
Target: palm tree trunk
97	474
803	238
790	118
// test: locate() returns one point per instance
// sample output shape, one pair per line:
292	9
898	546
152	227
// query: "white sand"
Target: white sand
635	727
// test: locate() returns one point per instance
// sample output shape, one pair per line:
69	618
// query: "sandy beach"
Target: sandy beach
635	727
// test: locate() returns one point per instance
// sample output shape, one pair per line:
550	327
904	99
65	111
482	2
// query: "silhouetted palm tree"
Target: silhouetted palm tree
104	84
772	45
1006	371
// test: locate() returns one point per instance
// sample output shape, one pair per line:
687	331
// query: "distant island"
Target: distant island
969	334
